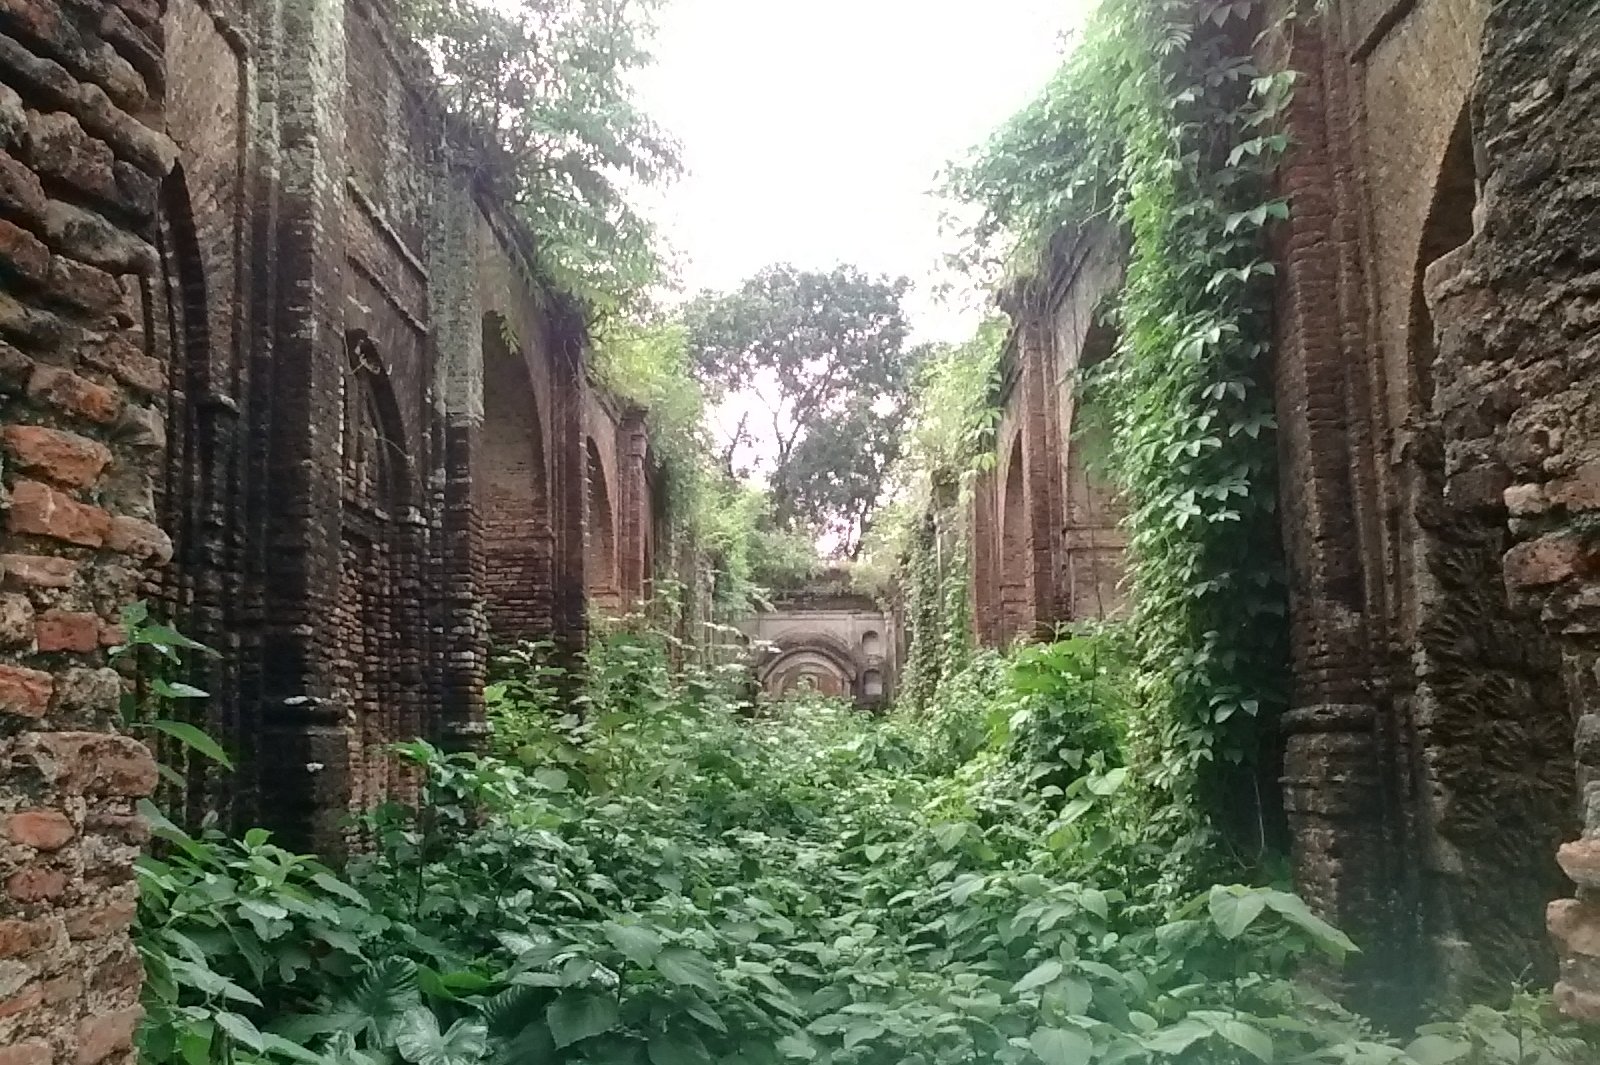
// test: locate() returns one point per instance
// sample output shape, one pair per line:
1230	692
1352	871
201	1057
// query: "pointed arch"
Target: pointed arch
512	493
1093	542
1016	579
599	533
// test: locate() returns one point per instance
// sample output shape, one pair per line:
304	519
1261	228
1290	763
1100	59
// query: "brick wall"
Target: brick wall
82	158
1047	546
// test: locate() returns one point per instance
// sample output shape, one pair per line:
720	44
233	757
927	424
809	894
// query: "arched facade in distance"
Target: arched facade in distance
826	638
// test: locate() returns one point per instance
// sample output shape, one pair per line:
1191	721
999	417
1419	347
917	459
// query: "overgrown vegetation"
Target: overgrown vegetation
546	114
684	877
1163	129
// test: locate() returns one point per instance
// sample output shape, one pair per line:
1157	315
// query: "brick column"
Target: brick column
79	107
304	753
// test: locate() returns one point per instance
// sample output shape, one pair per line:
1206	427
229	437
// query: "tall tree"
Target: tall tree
817	367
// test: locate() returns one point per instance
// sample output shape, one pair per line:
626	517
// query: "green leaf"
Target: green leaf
419	1041
1061	1046
1252	1040
1235	909
192	738
687	968
638	944
578	1015
1042	974
1436	1049
678	1048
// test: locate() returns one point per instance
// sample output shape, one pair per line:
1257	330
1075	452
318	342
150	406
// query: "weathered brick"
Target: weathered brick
27	1052
93	239
99	921
16	620
36	883
59	146
89	763
1580	860
37	571
45	830
25	692
22	197
82	286
39	510
30	998
88	689
116	355
68	392
66	630
18	939
103	1035
23	253
65	458
140	539
1546	561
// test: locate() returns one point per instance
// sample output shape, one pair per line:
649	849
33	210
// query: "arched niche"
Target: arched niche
378	614
1093	541
1015	568
511	493
205	591
809	654
599	532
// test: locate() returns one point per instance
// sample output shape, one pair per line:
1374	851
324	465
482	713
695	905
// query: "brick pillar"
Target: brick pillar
1337	771
304	754
80	431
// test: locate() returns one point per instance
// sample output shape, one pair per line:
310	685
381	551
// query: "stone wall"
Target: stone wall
1047	546
82	161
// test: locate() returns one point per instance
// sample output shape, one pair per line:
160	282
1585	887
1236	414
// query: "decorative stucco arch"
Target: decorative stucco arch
815	655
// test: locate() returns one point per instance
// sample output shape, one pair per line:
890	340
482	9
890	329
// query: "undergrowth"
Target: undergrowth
678	875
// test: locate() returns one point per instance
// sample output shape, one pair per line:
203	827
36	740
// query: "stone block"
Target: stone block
66	391
66	458
45	830
25	692
39	510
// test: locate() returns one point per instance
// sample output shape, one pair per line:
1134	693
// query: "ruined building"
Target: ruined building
828	637
270	359
1437	374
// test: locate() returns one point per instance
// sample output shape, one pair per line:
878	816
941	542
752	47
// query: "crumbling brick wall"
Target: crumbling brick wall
1047	546
82	159
1516	324
1428	763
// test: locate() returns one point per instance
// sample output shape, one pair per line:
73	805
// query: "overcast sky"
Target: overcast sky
812	129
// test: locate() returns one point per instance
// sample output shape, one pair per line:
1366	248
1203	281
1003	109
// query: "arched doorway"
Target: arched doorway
1094	544
599	535
379	607
1015	572
512	494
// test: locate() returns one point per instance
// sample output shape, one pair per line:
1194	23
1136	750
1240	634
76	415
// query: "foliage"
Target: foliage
824	354
1163	126
542	89
690	877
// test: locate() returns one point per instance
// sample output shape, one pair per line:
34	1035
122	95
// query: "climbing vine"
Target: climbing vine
1164	126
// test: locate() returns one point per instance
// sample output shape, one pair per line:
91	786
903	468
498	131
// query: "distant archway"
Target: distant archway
512	493
809	661
1016	617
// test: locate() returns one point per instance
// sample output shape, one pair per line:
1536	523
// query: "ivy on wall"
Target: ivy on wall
1164	124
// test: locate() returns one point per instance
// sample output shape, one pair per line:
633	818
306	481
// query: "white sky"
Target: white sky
813	129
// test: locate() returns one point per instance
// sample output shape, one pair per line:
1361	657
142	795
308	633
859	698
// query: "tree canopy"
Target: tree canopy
816	367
